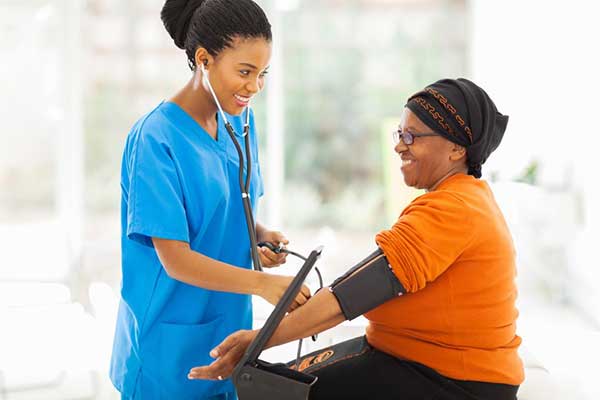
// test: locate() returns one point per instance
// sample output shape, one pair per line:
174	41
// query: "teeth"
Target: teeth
406	162
242	99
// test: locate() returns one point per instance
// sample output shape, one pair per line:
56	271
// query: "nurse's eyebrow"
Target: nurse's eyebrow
249	65
253	66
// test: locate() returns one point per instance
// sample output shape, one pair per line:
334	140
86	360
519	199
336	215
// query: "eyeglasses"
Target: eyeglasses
407	137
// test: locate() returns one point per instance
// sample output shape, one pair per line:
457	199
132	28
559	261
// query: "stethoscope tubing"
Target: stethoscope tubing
245	188
244	184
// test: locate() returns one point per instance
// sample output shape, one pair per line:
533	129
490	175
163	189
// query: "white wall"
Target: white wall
539	61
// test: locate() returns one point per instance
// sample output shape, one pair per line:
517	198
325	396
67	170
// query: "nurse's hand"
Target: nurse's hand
275	285
227	355
268	258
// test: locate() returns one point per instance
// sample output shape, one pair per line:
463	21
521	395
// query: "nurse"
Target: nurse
186	261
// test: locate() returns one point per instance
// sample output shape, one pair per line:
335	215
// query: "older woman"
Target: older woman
452	334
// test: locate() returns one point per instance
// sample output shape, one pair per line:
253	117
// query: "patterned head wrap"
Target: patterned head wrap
463	113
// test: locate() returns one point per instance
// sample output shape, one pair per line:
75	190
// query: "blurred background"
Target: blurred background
76	74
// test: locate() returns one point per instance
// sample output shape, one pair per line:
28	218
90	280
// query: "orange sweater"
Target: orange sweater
453	252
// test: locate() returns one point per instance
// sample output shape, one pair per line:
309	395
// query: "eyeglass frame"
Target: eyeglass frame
398	135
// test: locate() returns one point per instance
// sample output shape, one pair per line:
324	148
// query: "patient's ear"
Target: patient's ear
457	152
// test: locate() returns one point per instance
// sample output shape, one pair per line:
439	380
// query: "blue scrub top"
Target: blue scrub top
178	183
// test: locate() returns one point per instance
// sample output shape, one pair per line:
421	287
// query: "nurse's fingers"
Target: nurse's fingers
305	291
277	237
280	237
295	304
270	258
300	300
272	255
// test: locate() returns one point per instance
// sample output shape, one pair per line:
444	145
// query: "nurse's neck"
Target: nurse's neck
196	101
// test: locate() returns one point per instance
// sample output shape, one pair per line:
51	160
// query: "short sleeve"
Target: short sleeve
156	206
428	237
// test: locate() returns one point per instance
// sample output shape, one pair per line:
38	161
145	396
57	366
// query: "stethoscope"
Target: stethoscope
245	187
244	184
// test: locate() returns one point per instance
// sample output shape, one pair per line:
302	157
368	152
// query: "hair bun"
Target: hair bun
176	16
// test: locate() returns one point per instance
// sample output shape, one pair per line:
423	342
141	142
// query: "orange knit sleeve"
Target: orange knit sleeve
427	238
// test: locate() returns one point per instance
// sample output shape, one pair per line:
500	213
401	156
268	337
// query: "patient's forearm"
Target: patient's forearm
320	313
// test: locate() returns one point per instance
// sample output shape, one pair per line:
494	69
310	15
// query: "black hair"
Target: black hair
213	24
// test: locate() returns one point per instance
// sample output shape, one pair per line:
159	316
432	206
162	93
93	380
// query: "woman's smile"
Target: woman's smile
407	164
241	101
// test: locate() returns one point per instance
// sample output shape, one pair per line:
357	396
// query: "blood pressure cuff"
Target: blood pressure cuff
367	285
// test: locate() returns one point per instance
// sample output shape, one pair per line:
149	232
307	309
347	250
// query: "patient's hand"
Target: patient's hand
227	355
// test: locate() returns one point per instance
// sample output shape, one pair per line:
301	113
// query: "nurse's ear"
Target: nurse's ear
203	60
203	57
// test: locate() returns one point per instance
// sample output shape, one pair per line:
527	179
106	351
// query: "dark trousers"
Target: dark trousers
370	374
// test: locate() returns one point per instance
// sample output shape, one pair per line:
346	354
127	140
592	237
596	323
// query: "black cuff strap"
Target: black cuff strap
367	285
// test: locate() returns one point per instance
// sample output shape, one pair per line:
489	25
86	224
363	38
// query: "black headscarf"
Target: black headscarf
463	113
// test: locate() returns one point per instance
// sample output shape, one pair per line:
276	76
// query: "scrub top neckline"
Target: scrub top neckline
192	125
